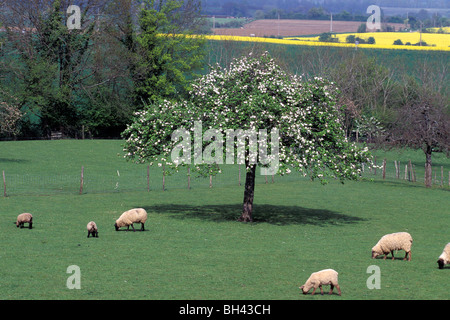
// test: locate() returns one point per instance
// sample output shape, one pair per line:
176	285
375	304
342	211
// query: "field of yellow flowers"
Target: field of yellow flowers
383	40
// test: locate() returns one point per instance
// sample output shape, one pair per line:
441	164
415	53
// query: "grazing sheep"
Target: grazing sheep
92	229
319	278
444	258
137	215
24	218
391	242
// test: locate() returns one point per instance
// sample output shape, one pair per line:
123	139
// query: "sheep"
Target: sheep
444	258
137	215
393	241
92	229
319	278
24	218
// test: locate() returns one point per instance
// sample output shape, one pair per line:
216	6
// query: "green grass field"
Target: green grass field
194	249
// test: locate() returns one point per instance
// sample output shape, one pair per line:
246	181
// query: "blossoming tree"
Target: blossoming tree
251	95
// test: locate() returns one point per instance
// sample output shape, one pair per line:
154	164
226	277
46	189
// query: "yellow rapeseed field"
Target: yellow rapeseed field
386	39
383	40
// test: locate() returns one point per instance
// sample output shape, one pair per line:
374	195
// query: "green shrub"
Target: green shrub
350	39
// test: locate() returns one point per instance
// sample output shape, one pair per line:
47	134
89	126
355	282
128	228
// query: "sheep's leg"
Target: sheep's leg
338	289
392	253
142	226
133	227
406	255
314	291
331	289
321	290
88	234
30	225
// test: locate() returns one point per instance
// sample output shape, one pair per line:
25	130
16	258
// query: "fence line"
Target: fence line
149	179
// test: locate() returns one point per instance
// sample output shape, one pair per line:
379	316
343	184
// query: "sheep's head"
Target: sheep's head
303	288
116	226
441	263
375	252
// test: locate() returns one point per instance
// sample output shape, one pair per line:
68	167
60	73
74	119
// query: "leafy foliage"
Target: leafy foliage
166	56
253	94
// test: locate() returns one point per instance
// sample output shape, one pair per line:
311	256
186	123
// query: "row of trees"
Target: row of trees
95	77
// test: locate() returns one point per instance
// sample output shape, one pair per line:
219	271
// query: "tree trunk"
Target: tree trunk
249	192
428	173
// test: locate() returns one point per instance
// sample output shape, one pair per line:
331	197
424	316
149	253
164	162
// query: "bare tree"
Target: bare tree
423	123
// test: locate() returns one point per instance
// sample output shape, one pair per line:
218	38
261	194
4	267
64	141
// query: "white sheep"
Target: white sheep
444	258
393	241
92	229
137	215
24	218
319	278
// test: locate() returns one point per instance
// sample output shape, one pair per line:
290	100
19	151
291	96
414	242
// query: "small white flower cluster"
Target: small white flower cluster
253	94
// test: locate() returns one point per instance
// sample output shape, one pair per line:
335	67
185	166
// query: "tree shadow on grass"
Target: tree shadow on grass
264	213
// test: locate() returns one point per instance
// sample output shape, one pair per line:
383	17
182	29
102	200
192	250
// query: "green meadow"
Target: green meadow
193	247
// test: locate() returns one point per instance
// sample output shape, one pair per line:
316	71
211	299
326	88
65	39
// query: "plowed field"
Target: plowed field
289	28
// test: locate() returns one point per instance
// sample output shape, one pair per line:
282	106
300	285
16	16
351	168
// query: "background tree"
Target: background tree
46	63
422	122
9	115
166	55
255	94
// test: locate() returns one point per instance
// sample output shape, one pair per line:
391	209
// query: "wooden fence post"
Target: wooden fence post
396	169
239	179
148	178
82	179
410	177
384	168
442	176
375	166
4	183
210	180
164	177
189	177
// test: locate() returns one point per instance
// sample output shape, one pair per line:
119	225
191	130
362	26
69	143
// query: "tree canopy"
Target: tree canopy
256	96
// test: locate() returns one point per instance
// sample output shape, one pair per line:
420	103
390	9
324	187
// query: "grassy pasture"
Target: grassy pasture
194	249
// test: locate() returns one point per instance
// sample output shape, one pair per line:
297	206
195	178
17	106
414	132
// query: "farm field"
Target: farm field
386	39
289	28
441	41
194	249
